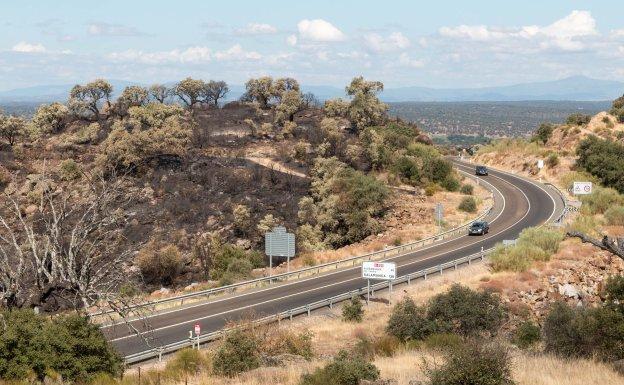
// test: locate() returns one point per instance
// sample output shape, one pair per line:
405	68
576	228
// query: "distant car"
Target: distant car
479	228
481	170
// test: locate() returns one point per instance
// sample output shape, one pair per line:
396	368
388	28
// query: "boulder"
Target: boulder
568	291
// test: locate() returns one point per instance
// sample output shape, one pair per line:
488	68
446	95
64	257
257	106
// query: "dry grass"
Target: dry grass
548	370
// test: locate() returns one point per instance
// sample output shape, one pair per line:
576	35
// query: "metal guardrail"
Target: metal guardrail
347	262
561	217
306	309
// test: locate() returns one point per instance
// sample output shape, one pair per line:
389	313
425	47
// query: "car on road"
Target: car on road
479	228
481	170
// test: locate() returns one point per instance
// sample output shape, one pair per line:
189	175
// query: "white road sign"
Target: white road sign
379	270
582	188
197	329
540	164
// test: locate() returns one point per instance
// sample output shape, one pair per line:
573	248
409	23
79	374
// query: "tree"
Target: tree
190	91
215	90
12	128
289	105
365	108
70	253
159	92
283	85
336	108
87	99
259	90
132	96
603	159
543	133
309	100
69	345
409	321
50	118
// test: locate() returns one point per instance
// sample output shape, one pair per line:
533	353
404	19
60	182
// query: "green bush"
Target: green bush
345	369
353	311
468	204
409	321
527	334
450	183
159	263
600	200
466	312
230	262
552	160
615	215
408	169
68	345
277	341
543	133
474	363
585	332
467	189
604	159
69	170
578	119
534	244
237	354
614	291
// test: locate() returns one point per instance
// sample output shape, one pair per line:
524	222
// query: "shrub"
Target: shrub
408	169
578	119
274	341
552	160
604	159
353	310
450	183
468	204
409	321
345	369
614	290
543	133
69	345
466	312
69	170
615	215
514	258
582	332
474	363
234	262
187	361
600	200
547	240
527	334
242	219
159	263
431	189
467	189
386	345
237	354
443	341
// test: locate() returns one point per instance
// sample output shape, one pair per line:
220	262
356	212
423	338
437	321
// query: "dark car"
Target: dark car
479	228
481	170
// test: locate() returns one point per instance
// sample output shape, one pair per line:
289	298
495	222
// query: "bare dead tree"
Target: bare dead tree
611	245
69	249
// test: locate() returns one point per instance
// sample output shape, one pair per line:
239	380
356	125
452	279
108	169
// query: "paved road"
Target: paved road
519	204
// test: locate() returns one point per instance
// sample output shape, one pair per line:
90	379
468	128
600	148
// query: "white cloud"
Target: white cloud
28	47
406	61
563	34
617	32
394	42
190	55
292	40
319	30
236	52
106	29
257	29
353	55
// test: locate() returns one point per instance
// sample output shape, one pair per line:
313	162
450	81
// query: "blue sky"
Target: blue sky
435	43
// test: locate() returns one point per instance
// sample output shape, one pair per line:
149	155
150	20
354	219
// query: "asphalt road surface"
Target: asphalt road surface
519	203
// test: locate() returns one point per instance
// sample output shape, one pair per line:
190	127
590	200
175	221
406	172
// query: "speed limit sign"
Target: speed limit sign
582	188
197	329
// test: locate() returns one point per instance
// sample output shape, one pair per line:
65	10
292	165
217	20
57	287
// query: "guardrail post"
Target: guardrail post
425	275
469	260
308	308
290	314
409	278
331	303
482	254
441	269
455	266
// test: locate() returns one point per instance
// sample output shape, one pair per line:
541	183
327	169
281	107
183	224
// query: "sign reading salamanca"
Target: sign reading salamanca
379	270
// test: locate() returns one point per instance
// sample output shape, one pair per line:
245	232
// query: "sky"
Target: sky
439	43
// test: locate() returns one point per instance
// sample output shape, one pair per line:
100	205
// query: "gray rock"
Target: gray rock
569	291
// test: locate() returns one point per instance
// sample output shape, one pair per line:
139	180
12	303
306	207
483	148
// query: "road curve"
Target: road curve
520	203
